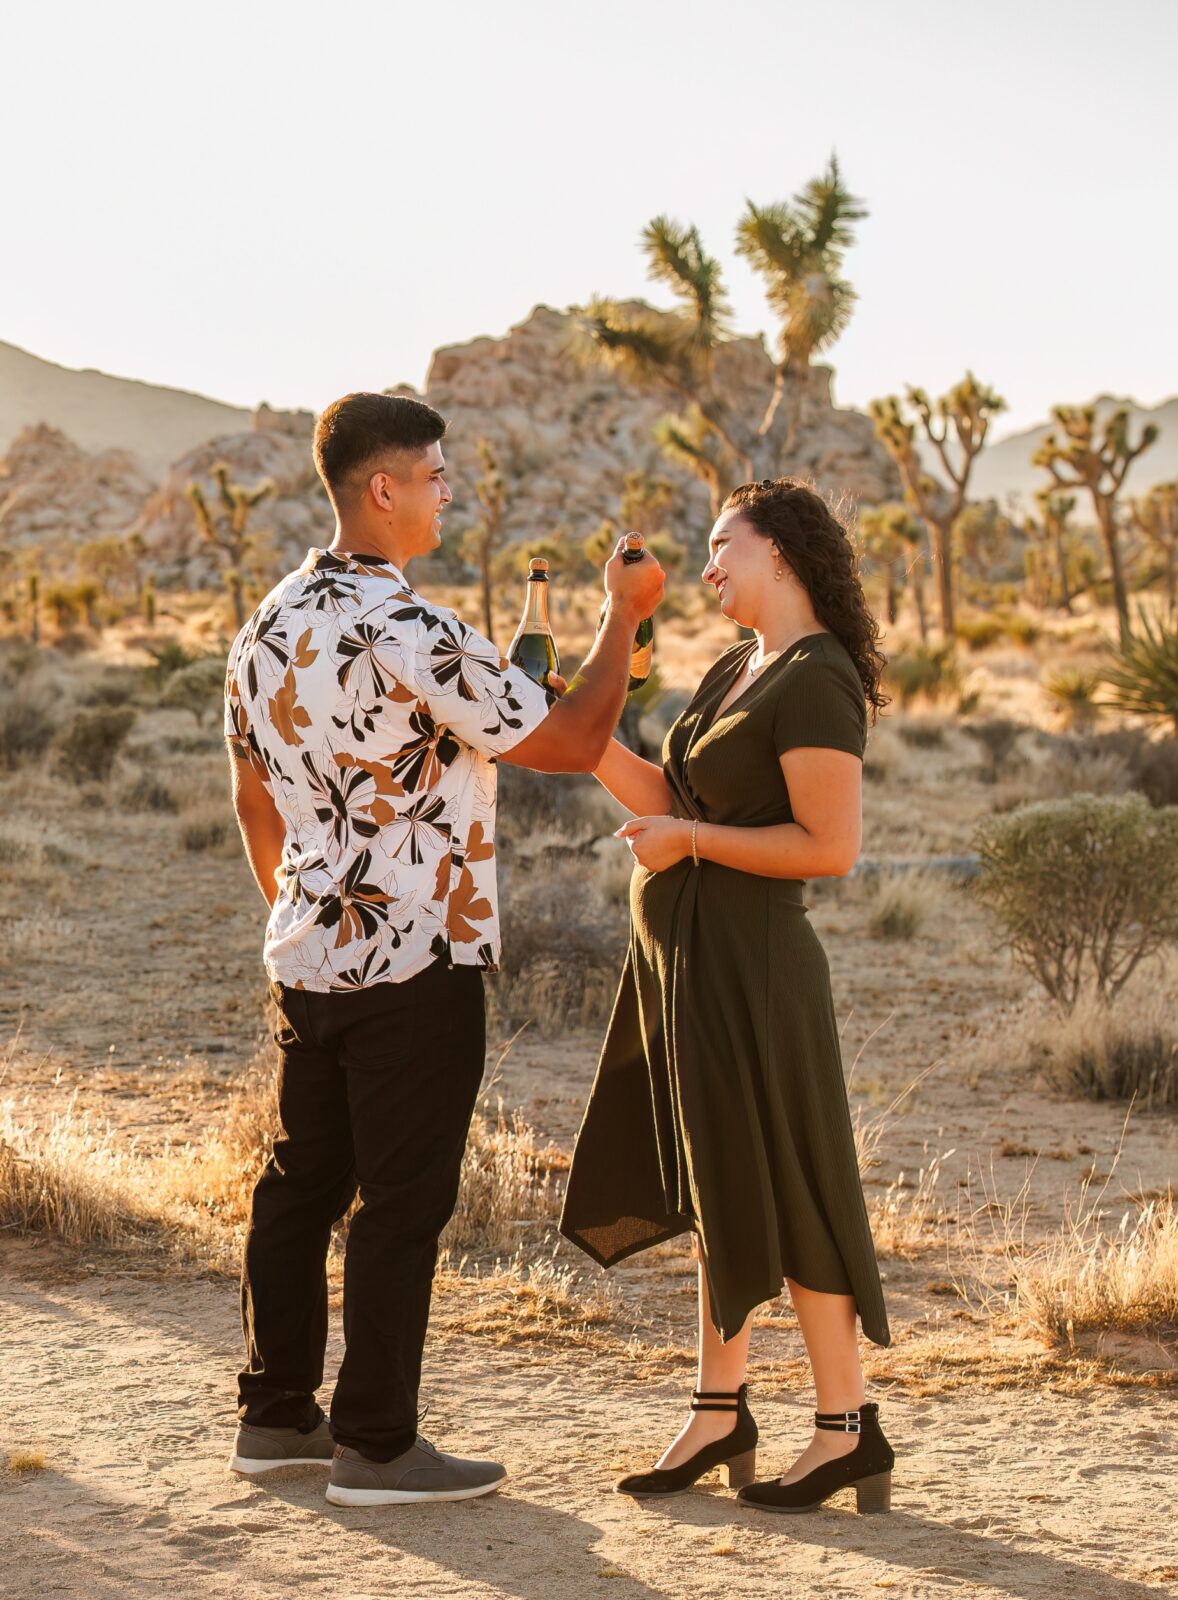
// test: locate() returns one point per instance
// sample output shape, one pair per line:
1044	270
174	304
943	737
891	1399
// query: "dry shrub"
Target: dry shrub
148	793
208	828
1094	1273
86	747
906	1217
1106	1052
922	733
72	1180
563	945
506	1185
25	1461
901	902
29	717
528	1301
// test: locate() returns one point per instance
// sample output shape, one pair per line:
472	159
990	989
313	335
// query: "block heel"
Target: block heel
867	1469
740	1470
874	1494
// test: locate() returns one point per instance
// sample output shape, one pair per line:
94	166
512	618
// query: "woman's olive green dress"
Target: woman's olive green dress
719	1104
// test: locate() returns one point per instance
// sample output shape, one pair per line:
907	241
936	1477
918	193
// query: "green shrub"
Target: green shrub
1023	630
86	747
197	687
1084	888
980	632
930	670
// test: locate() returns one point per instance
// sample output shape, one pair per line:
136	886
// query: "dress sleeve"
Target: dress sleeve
470	688
821	706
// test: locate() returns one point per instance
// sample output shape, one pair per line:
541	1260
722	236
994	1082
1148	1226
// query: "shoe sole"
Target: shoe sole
251	1466
341	1495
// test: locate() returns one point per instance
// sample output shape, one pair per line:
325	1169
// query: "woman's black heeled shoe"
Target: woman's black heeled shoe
867	1469
735	1454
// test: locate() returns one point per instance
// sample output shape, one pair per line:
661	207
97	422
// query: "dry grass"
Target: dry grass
25	1461
898	904
1127	1050
1103	1268
506	1186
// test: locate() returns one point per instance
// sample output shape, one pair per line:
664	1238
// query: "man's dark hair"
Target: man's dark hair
361	430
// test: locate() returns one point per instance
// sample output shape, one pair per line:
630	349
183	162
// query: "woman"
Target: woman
719	1105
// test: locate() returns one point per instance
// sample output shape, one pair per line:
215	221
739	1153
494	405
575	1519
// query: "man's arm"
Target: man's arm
263	831
575	734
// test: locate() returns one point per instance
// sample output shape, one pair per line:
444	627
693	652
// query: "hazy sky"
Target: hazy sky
287	201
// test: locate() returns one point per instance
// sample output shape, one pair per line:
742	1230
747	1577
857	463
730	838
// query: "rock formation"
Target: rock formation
52	492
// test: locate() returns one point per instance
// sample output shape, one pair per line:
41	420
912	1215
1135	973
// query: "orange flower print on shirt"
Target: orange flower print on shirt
477	847
466	906
286	713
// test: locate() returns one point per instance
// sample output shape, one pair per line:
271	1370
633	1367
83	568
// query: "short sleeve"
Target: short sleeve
236	721
821	706
471	689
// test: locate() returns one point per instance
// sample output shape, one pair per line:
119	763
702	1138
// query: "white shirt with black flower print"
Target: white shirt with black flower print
373	718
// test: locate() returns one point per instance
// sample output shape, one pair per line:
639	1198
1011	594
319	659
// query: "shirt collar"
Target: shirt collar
353	561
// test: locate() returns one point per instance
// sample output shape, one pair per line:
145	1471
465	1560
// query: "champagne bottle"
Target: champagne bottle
642	650
533	650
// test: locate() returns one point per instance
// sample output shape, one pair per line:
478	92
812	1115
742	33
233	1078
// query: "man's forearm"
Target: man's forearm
591	708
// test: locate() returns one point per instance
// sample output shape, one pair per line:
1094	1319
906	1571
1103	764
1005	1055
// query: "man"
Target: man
364	724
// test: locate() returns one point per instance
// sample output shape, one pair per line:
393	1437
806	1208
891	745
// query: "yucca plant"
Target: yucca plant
1074	694
1142	676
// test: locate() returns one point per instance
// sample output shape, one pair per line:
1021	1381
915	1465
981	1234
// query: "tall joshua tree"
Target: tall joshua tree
1079	456
1156	516
956	426
797	248
224	524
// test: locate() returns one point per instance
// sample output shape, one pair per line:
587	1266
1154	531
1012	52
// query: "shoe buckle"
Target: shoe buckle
854	1423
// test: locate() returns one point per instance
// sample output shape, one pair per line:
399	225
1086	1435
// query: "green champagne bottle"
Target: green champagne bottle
533	650
642	651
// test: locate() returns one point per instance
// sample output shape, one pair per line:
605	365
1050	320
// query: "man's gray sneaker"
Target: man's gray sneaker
421	1473
262	1449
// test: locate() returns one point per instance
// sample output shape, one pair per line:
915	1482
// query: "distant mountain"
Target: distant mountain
1004	468
98	412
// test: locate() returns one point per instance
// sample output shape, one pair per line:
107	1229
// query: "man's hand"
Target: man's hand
635	586
656	843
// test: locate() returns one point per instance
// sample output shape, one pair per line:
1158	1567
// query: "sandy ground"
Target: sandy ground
123	1381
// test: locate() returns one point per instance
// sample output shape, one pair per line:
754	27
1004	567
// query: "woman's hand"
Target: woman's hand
656	843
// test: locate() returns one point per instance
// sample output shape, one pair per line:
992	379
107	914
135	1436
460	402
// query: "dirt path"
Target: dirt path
124	1383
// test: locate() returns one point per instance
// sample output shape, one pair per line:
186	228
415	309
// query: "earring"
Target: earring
777	572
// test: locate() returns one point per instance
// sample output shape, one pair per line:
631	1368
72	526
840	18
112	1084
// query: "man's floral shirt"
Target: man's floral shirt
373	718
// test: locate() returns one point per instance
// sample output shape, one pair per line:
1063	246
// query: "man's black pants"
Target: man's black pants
376	1091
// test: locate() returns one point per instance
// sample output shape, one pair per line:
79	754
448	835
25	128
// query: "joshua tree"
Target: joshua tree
956	425
645	503
1082	459
983	533
885	547
224	525
483	539
1054	511
797	248
1156	516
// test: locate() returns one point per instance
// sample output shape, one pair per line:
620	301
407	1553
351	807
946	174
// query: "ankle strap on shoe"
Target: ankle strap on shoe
714	1400
845	1421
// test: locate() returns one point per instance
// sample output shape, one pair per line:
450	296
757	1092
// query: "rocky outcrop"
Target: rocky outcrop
281	527
53	493
566	435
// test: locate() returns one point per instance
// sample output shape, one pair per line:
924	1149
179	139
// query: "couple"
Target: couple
364	725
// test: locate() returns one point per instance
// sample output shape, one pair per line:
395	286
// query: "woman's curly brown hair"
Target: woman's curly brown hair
820	552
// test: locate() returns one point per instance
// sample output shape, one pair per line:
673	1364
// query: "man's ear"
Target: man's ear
380	488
